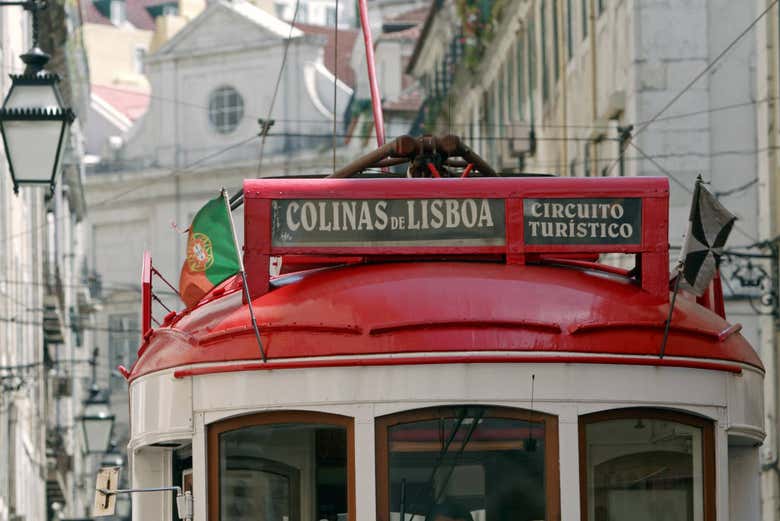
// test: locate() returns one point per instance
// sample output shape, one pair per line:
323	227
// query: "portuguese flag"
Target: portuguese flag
212	256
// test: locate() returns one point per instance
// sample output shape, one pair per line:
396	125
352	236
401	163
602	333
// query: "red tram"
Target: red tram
449	345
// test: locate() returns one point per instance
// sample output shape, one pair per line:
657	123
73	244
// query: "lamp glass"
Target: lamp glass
97	423
34	126
32	147
33	96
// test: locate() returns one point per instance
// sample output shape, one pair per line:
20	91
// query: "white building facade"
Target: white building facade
45	306
601	88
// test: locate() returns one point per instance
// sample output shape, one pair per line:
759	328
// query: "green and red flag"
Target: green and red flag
212	256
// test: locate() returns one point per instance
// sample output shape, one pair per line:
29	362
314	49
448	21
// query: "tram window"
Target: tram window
646	466
497	464
282	471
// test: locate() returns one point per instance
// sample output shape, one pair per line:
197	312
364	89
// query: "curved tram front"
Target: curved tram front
459	372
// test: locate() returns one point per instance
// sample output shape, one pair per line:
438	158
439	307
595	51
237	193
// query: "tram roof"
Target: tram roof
438	308
499	269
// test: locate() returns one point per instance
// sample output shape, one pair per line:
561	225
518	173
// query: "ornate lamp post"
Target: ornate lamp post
33	118
97	422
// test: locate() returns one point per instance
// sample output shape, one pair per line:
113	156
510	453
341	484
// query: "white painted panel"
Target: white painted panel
161	408
744	483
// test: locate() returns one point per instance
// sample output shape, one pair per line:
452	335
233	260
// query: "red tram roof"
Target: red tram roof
444	267
443	307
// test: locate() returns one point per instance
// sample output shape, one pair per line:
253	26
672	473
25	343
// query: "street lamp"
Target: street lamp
112	458
33	118
97	422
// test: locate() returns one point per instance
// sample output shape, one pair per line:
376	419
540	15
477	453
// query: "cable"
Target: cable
130	190
660	167
683	115
264	134
704	71
689	190
736	189
68	325
480	138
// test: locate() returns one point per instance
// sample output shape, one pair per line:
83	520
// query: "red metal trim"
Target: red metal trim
146	293
389	250
454	359
434	172
493	187
467	170
638	325
549	327
586	264
731	330
270	328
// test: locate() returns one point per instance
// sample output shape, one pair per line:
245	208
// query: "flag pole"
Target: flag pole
243	277
668	324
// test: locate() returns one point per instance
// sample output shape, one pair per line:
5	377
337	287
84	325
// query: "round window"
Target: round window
226	108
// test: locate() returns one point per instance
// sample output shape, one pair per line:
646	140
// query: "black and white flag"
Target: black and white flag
709	227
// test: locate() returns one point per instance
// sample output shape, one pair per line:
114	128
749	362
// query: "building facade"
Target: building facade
605	88
46	308
767	37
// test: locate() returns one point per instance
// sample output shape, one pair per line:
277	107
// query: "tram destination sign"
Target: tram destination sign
447	222
556	221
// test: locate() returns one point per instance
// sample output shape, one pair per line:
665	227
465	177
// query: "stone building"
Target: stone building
46	310
764	269
601	88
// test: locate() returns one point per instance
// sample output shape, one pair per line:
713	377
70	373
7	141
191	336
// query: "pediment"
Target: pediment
223	26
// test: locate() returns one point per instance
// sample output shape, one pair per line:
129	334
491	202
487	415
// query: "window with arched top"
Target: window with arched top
467	462
282	466
646	465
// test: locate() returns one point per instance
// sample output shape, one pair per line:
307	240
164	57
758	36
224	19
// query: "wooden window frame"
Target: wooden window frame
709	494
214	430
551	461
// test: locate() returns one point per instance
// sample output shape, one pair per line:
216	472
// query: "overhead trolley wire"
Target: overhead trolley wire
685	187
706	69
641	128
146	184
267	122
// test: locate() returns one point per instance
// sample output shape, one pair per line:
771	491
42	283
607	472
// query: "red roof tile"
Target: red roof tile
132	104
347	39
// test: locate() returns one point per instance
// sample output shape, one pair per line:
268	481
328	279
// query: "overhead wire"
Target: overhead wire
683	185
145	185
282	66
701	74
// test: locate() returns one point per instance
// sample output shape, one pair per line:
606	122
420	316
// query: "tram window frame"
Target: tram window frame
709	484
382	425
214	431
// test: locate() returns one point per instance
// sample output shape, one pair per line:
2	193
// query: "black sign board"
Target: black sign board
583	221
387	222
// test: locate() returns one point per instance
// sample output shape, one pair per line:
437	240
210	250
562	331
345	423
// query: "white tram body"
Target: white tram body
502	372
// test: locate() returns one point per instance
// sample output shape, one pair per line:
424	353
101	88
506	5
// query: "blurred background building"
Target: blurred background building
47	325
